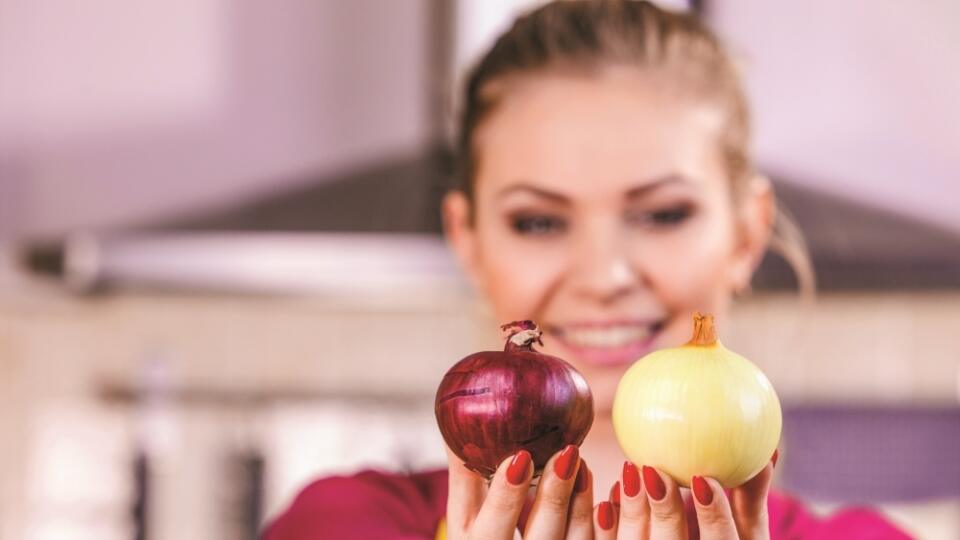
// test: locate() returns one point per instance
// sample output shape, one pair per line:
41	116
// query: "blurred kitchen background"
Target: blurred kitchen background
221	273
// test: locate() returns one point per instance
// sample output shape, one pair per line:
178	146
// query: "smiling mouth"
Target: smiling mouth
608	343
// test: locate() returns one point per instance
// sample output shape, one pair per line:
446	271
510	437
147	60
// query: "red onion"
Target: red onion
492	404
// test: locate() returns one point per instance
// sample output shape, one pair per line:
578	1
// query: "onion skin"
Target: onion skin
492	404
699	409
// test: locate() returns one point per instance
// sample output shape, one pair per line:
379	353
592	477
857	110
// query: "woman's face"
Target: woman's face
603	212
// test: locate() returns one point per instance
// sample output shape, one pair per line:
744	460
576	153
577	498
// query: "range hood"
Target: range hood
380	227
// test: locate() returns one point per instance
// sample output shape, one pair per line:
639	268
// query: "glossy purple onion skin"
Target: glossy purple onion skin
492	404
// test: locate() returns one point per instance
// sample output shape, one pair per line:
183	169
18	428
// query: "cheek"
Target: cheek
517	277
692	268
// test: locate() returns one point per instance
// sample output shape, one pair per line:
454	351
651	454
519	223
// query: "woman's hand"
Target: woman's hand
654	509
562	507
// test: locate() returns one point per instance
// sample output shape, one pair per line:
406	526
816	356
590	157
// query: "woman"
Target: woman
607	194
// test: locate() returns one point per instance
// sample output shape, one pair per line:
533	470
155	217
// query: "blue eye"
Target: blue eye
538	225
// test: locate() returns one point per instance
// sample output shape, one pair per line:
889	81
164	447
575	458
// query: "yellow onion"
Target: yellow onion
700	409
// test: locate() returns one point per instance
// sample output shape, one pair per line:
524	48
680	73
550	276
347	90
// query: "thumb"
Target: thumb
466	492
749	503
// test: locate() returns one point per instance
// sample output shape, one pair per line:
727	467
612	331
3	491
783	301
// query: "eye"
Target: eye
541	225
665	217
670	217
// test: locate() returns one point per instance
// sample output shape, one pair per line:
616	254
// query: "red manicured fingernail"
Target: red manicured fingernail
776	456
702	491
631	479
615	493
605	515
654	484
566	462
517	470
583	477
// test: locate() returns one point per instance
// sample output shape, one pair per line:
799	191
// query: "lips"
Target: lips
612	343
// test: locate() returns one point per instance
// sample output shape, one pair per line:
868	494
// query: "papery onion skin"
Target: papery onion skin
492	404
699	409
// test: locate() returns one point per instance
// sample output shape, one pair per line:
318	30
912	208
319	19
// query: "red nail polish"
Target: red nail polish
654	484
605	515
517	470
702	491
776	456
583	477
631	479
615	493
566	462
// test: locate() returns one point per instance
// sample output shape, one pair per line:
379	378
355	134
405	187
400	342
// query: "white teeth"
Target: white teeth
609	337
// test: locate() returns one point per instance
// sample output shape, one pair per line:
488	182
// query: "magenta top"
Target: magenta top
375	505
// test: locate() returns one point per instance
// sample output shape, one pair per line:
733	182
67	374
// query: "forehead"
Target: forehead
585	132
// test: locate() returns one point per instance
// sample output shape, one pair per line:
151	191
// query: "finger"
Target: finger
467	490
713	509
500	511
605	522
548	517
580	517
667	516
749	503
634	518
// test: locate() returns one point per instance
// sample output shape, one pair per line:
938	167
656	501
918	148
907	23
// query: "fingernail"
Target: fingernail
517	470
776	456
605	515
702	491
615	493
631	479
583	478
566	462
654	484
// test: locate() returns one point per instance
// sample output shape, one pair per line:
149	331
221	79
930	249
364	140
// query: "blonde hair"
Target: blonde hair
587	35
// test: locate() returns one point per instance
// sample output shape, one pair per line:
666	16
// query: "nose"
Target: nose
602	270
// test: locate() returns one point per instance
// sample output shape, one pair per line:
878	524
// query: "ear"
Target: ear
756	217
460	233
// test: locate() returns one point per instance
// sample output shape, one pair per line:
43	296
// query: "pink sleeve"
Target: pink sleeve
789	519
367	505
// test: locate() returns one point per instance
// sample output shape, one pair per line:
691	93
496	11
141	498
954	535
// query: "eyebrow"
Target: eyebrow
632	193
529	188
657	183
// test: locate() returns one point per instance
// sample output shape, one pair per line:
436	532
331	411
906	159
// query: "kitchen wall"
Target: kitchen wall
855	98
120	112
178	106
